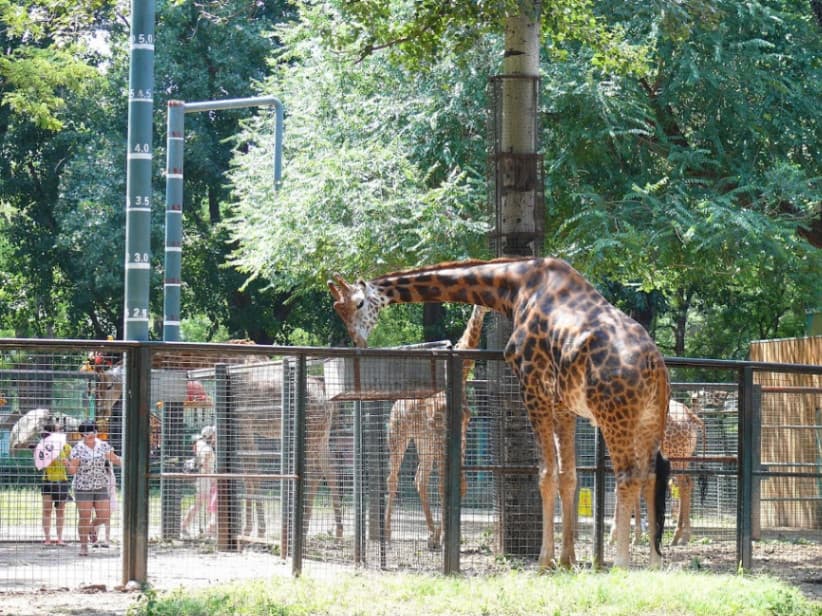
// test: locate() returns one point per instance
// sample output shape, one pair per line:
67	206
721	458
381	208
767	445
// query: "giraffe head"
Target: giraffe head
358	305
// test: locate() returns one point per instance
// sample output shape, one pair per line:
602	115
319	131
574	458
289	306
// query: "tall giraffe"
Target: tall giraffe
423	421
574	354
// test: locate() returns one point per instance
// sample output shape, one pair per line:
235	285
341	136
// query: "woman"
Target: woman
87	462
55	489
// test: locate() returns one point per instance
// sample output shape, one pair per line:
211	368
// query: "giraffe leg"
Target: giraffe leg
311	485
466	419
421	480
329	472
683	524
649	491
627	495
637	514
565	431
250	492
394	463
540	406
398	443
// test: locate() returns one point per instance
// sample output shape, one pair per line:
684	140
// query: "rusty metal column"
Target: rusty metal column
744	543
136	466
299	466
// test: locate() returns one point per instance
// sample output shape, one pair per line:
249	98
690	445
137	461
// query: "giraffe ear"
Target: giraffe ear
335	293
344	287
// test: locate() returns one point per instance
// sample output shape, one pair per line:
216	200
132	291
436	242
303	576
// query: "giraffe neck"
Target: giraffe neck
470	338
493	284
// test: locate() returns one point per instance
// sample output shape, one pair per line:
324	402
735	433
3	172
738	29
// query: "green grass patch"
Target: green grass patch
614	593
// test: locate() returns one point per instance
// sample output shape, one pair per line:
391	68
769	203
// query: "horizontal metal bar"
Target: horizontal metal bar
331	352
787	474
32	374
231	103
790	389
237	476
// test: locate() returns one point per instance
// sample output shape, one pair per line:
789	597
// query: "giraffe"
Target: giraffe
252	407
423	421
574	354
252	404
681	436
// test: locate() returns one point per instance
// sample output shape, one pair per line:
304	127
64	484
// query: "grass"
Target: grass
514	593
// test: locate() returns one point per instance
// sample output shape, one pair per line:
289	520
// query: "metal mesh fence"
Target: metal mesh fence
223	449
44	397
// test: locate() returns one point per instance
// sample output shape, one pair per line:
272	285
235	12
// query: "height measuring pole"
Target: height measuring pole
138	171
137	277
174	192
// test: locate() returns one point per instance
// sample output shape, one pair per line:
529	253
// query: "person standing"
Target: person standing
204	463
87	462
55	488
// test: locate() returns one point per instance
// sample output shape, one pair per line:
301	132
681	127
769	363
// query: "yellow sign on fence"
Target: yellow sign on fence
586	503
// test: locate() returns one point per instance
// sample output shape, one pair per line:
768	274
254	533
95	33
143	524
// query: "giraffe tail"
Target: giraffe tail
663	473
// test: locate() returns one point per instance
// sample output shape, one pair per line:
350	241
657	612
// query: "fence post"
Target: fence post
453	465
299	467
756	467
599	501
286	448
359	500
136	444
745	477
229	509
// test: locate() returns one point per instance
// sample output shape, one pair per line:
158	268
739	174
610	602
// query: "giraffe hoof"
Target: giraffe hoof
547	564
567	563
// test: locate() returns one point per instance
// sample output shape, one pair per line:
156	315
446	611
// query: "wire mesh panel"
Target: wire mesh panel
44	398
787	507
214	461
387	444
227	425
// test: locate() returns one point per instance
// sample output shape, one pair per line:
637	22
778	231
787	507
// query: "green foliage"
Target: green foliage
419	34
369	184
42	64
691	181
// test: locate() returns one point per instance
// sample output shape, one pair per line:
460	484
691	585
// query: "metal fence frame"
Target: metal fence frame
136	469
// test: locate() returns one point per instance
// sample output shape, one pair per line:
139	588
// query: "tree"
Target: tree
690	179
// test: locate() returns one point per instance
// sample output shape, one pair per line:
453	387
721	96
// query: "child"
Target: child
55	488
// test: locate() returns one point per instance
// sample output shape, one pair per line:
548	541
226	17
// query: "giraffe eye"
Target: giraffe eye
360	304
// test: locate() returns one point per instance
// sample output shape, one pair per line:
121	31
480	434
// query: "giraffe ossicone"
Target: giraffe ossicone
574	354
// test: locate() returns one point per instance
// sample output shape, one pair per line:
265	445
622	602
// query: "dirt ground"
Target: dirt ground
79	602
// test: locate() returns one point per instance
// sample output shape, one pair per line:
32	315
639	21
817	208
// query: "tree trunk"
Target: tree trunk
519	233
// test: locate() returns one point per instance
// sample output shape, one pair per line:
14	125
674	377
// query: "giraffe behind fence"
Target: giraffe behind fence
252	413
682	430
574	354
423	423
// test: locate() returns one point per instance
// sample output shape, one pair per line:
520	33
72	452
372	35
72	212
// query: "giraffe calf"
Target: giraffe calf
423	422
